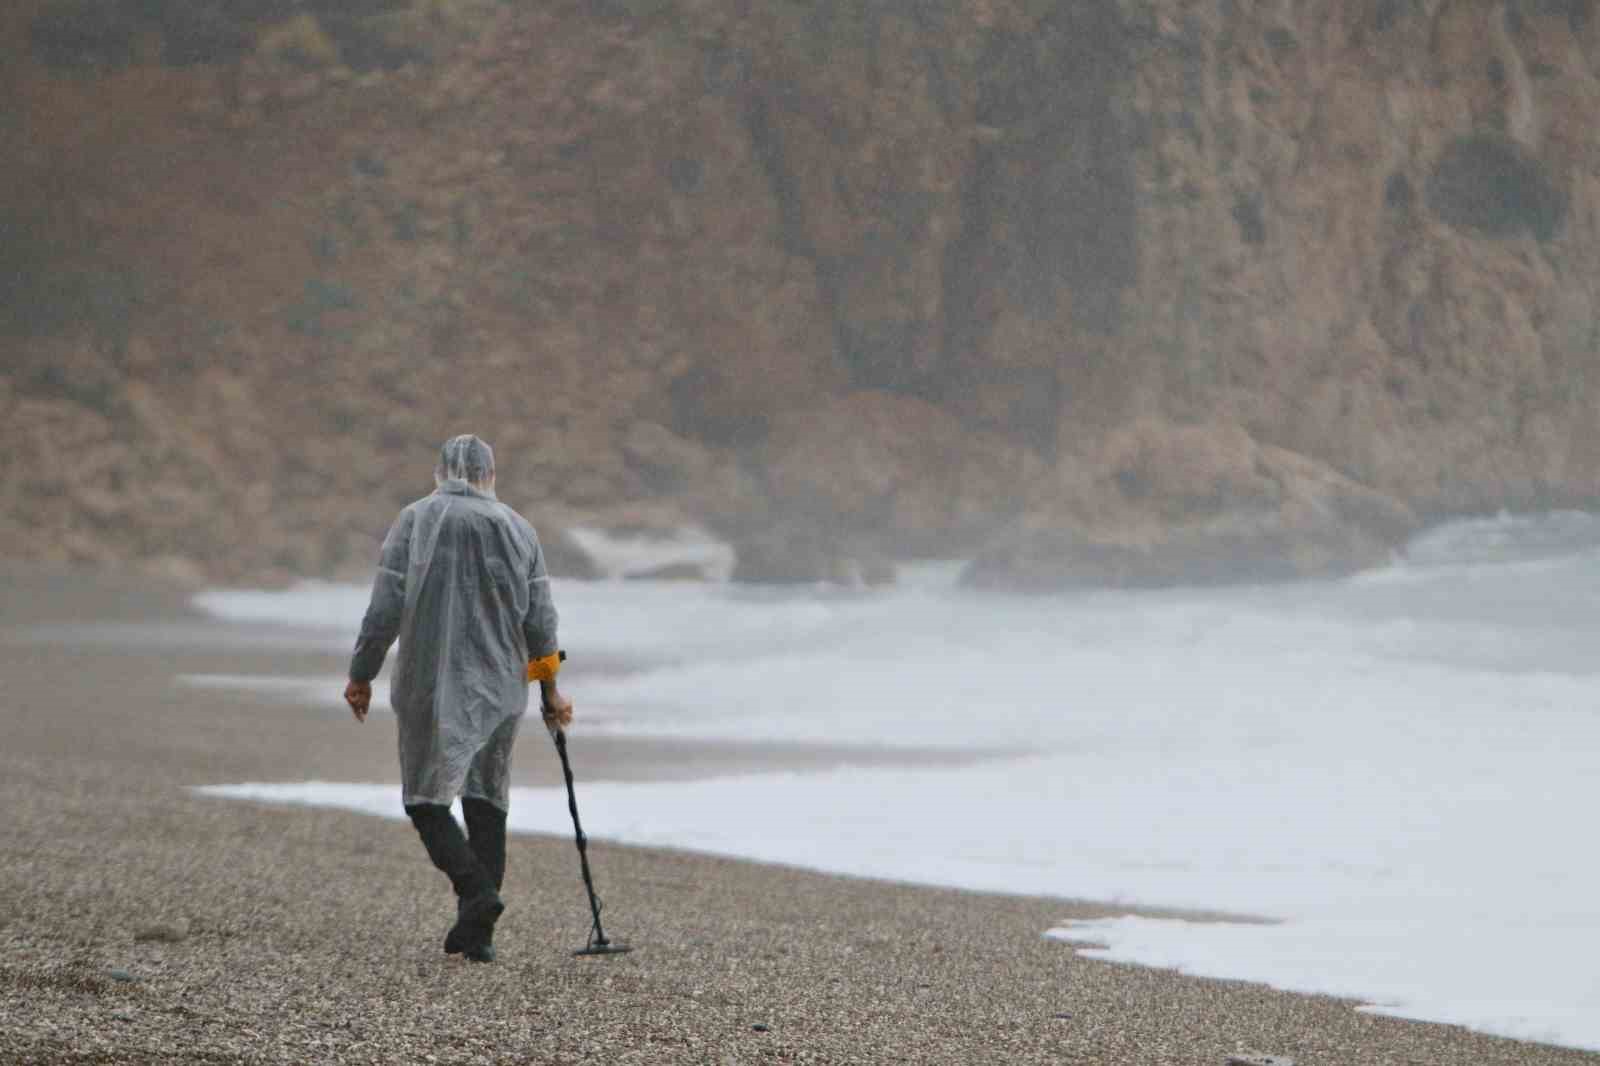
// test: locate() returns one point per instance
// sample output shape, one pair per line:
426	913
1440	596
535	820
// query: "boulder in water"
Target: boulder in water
1197	504
802	554
565	557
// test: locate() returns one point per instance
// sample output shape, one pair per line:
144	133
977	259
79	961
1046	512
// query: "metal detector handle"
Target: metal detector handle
597	933
598	944
560	658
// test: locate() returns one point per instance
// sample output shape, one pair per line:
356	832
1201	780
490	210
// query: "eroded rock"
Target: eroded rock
897	470
669	253
805	554
1490	185
1199	504
564	557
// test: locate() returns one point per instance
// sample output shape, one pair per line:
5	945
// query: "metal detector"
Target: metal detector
598	944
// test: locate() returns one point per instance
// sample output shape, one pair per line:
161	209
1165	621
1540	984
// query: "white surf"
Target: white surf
1397	769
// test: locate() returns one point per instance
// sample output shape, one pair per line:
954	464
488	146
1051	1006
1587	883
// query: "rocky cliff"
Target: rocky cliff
1128	290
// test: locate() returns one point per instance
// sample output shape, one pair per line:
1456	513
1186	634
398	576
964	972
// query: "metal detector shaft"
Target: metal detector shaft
598	944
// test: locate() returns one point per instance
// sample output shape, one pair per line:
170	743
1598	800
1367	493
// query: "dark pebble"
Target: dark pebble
759	1027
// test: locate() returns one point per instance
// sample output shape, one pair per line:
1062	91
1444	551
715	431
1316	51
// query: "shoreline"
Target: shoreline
311	934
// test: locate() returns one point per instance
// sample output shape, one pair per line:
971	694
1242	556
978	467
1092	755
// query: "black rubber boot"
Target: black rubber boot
480	904
486	833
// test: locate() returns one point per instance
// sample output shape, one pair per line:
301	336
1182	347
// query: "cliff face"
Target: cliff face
1169	281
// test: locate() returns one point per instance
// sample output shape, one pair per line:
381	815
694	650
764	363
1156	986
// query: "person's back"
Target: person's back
462	583
473	578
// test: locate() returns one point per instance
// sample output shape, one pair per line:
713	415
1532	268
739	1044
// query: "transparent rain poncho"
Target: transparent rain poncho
462	584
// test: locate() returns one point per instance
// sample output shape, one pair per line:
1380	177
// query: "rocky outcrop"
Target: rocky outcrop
806	554
1198	503
564	557
896	471
910	274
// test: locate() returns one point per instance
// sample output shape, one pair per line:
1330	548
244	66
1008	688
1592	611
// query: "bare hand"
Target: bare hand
358	694
557	711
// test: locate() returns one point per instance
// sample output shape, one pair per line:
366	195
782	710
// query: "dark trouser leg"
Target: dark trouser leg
480	903
486	832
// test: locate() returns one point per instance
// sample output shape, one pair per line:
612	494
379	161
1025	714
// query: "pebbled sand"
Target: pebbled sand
256	934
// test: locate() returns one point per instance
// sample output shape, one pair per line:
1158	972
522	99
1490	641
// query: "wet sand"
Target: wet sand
145	924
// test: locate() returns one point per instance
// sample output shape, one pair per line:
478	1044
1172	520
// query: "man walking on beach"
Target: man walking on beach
462	583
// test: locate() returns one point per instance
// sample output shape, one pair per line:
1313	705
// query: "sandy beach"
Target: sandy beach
143	923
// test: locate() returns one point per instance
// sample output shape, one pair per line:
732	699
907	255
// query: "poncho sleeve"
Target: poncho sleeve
539	625
381	624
